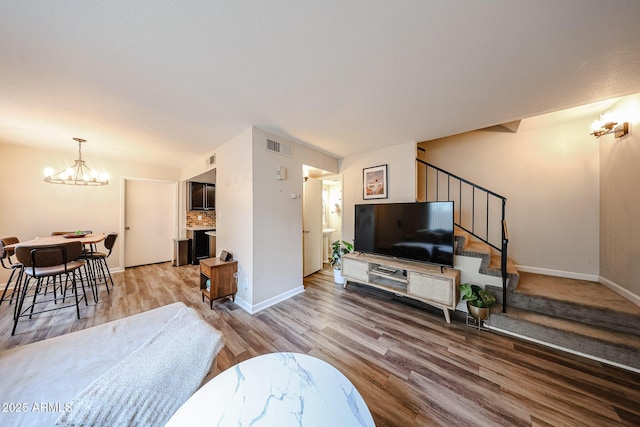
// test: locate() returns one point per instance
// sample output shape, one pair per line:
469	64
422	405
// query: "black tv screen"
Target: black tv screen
414	231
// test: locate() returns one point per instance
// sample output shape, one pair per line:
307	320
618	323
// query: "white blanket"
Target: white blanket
149	385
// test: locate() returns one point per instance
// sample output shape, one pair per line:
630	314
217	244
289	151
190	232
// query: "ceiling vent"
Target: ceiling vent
211	160
277	147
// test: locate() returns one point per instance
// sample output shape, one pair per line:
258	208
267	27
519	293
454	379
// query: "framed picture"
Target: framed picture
375	182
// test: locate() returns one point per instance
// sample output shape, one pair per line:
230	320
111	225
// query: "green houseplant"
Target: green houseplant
339	248
479	301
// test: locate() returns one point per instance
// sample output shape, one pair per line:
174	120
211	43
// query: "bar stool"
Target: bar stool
98	260
44	263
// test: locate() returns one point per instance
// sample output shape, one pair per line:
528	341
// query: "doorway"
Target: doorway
150	221
321	217
332	213
311	226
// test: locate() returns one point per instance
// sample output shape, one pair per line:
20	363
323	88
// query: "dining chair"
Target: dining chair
99	261
8	264
56	263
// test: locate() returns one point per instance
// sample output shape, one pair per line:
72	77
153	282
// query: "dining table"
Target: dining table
85	239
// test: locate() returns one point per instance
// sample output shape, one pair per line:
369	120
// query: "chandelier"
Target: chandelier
78	174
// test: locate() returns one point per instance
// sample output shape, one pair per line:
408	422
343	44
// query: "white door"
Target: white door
312	226
150	221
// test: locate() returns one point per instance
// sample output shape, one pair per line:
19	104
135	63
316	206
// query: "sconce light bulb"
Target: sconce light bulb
608	117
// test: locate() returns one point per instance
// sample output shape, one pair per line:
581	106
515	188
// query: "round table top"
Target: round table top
56	240
277	389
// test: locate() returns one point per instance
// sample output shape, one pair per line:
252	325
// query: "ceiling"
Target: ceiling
167	81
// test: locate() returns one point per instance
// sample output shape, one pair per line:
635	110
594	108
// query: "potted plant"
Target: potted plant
339	248
479	301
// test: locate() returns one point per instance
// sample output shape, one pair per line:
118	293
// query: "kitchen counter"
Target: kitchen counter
211	233
202	227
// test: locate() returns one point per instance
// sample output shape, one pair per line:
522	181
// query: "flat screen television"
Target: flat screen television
413	231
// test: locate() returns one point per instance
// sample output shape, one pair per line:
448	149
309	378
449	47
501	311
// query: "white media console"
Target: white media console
433	285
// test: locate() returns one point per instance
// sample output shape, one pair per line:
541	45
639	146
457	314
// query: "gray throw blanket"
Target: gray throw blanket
149	385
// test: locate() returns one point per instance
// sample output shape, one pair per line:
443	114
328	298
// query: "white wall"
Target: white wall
620	203
400	173
234	209
549	176
277	220
256	217
30	207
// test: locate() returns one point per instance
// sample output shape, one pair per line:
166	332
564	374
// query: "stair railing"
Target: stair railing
480	212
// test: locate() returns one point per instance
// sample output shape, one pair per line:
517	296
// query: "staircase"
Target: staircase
578	316
581	317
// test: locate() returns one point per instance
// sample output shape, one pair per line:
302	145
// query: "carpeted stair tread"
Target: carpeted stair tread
468	241
491	264
575	291
604	344
593	316
495	264
603	334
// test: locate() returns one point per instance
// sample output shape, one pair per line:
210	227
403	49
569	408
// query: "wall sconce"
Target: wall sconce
607	124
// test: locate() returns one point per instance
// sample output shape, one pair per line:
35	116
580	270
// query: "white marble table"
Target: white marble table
277	389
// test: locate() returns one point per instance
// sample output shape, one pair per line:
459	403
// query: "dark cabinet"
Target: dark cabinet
202	196
199	245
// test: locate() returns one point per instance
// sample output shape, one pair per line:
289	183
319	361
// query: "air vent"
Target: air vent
277	147
211	160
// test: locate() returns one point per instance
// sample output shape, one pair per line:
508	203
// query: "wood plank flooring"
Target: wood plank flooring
411	367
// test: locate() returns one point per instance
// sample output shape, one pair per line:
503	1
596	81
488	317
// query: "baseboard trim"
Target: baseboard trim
558	273
568	350
254	308
243	304
625	293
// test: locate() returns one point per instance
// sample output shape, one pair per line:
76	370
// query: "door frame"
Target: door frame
176	206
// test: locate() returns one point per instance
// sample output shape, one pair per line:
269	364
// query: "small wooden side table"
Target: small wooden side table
220	275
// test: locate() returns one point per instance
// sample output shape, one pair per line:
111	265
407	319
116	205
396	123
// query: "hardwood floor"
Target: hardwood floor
411	367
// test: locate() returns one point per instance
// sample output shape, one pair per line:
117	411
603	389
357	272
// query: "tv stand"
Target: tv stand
436	286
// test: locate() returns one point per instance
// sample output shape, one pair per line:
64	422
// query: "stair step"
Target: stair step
491	263
579	300
613	347
584	292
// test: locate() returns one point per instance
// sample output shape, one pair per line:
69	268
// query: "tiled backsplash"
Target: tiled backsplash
208	218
